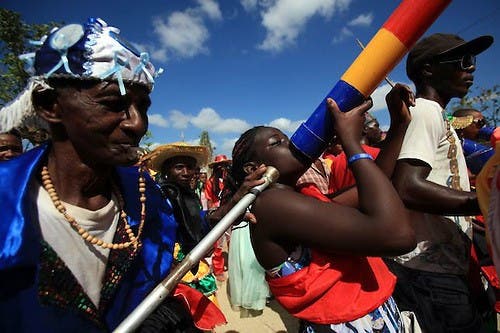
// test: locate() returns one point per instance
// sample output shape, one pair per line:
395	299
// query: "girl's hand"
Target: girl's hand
349	125
399	100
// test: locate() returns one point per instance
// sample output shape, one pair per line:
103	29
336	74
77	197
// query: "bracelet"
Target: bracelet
360	156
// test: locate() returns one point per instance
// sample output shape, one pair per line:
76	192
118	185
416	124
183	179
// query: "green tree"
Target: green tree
146	142
205	141
484	100
14	41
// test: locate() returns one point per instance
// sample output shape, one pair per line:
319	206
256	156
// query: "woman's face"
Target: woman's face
272	147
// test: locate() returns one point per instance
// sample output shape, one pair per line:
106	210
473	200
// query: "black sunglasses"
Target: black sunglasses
480	123
466	61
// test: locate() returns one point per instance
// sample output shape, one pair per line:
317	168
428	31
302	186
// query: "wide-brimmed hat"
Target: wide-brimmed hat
443	46
159	155
219	159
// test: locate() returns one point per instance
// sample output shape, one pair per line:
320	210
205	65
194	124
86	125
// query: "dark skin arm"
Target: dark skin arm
398	100
380	227
410	180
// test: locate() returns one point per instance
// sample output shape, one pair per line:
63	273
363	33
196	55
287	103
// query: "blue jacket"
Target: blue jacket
36	299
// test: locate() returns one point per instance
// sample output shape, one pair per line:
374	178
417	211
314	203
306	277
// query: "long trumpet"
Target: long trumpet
384	51
160	292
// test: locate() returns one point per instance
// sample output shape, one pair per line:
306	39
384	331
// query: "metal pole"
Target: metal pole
161	291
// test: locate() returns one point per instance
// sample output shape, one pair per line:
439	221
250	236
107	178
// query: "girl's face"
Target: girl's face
272	147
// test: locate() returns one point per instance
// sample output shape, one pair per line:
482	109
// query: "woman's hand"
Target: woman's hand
399	100
251	180
349	125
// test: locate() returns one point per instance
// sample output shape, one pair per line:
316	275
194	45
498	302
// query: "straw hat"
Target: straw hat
162	153
219	159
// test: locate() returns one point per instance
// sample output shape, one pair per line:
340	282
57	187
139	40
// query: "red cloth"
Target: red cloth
218	258
206	315
495	136
209	191
340	174
334	289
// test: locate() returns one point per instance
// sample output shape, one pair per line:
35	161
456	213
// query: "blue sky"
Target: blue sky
233	64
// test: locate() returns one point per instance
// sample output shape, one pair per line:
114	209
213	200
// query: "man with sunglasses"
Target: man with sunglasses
431	178
471	128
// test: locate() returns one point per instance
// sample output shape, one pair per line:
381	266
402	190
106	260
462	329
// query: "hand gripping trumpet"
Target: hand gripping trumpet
158	294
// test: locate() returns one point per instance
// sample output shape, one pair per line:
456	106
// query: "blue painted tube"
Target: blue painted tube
476	155
313	136
485	133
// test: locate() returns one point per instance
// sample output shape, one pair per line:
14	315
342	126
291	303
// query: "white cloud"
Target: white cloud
249	5
286	125
182	34
362	20
378	96
344	33
178	119
158	120
211	9
227	146
209	119
159	55
285	19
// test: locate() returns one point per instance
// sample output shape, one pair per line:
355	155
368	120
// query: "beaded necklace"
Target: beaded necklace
452	155
86	236
454	182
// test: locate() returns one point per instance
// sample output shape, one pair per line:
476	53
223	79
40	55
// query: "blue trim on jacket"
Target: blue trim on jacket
20	251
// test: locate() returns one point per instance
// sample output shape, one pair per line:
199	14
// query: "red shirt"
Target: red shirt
334	289
341	176
209	192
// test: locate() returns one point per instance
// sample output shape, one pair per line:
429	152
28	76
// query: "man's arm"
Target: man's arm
410	180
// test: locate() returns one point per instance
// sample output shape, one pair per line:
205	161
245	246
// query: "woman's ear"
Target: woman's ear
46	105
250	167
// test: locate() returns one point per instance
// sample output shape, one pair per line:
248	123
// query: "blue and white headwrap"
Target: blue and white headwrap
93	50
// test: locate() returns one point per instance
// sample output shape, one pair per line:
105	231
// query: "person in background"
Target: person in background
214	188
431	178
177	164
372	134
215	184
199	185
317	175
467	123
10	145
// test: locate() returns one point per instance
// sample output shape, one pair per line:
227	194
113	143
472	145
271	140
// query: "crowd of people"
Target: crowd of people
384	232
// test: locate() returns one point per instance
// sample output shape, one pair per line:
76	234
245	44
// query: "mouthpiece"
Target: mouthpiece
271	175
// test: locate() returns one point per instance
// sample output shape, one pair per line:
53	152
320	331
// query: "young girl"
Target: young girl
321	257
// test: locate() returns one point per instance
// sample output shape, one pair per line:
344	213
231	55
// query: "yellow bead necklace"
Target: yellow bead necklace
133	239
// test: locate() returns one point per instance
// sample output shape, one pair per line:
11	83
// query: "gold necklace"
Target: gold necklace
86	236
452	156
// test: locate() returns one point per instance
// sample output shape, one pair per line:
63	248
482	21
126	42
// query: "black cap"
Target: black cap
443	46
